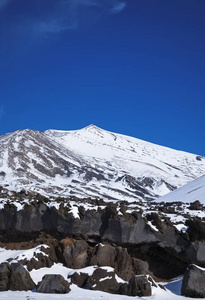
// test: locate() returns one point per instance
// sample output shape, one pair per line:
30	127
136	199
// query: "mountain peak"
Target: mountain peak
93	162
92	127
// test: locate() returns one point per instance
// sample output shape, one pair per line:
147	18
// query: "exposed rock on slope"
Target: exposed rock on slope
131	242
53	284
92	162
106	280
55	191
15	277
193	282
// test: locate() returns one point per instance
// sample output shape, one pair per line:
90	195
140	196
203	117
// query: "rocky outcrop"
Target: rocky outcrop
130	245
193	282
73	252
15	277
53	284
45	258
105	279
137	286
78	254
5	272
116	257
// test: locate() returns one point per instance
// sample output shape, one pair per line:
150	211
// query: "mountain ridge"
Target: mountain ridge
93	162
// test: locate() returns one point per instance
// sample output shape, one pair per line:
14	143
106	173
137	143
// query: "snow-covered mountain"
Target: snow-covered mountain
190	192
93	162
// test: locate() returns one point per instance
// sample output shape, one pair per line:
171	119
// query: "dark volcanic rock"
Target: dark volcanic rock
126	237
196	229
53	284
5	272
195	253
101	280
137	286
106	280
20	279
41	260
79	279
128	229
116	257
193	282
196	205
15	277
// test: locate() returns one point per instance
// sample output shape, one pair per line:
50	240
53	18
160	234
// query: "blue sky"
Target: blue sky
135	67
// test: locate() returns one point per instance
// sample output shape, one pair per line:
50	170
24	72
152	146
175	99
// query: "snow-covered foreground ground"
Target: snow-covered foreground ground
172	288
77	293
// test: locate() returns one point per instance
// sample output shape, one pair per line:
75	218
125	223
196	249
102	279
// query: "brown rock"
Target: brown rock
74	253
53	284
115	257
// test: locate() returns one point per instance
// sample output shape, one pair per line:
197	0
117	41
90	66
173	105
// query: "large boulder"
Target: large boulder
193	282
104	280
137	286
115	257
195	253
80	279
20	279
53	284
44	259
5	271
74	253
15	277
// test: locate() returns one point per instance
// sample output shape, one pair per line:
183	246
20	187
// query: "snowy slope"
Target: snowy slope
93	162
188	193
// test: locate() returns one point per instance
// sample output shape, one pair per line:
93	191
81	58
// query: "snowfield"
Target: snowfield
172	293
188	193
92	162
89	164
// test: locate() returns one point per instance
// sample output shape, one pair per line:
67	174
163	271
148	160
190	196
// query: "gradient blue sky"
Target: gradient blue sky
135	67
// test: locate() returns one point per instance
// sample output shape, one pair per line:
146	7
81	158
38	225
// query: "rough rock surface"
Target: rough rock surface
5	272
116	257
80	279
106	280
53	284
103	280
45	259
130	245
193	282
137	286
74	253
15	277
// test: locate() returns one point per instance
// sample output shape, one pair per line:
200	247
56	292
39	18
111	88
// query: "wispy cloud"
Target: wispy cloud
118	7
56	16
66	14
54	27
3	3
